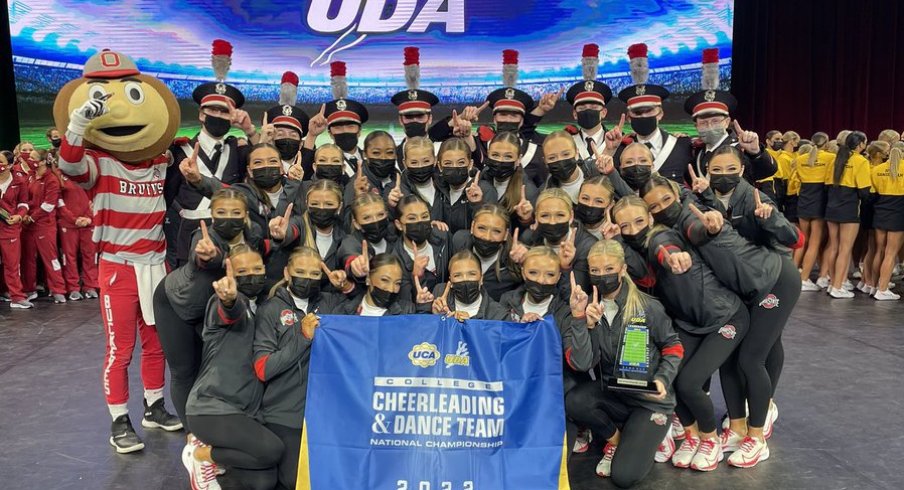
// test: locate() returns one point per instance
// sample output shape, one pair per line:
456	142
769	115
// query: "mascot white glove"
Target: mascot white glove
81	117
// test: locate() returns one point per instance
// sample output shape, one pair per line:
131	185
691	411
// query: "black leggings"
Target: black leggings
288	463
604	412
703	354
761	355
182	347
242	444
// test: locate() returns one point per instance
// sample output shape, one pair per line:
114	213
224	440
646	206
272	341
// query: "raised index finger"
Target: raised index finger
523	193
621	121
204	234
288	212
574	283
264	121
398	180
756	197
476	181
696	211
596	296
194	153
737	127
515	237
445	295
322	110
326	270
483	106
229	272
691	171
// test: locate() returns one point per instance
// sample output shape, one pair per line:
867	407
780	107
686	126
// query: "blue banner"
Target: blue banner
427	403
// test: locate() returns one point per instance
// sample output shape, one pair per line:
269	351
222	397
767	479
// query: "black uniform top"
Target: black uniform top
501	276
282	352
531	152
673	164
756	167
599	348
776	232
459	214
226	383
696	300
350	248
489	309
441	242
749	270
582	244
230	170
190	286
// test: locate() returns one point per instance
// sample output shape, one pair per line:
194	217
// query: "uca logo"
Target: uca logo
360	18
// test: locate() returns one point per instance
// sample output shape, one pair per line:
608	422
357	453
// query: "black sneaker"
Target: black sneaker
123	437
156	417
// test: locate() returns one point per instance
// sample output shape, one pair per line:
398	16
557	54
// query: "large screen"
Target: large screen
460	42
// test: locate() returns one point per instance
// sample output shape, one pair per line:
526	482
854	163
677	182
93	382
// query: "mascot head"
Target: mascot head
143	114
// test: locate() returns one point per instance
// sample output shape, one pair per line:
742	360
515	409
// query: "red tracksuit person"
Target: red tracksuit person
13	209
40	234
74	216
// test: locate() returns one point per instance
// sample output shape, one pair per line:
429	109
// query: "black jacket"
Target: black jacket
226	383
501	277
442	252
599	349
282	353
582	244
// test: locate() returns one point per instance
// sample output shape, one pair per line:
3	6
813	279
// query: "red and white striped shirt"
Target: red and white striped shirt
128	201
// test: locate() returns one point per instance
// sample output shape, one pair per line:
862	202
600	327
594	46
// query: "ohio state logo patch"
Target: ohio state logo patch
728	331
769	302
659	418
287	317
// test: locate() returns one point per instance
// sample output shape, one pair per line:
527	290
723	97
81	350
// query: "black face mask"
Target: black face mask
669	216
287	148
500	170
455	176
420	175
414	129
322	217
553	232
724	183
381	297
418	232
266	177
539	292
563	169
374	232
250	285
381	168
328	172
507	127
216	126
644	126
304	287
486	248
606	283
56	142
589	118
589	215
778	145
228	228
636	176
638	240
346	141
466	292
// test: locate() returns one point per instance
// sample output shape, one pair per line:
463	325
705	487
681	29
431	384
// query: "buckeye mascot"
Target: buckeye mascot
118	125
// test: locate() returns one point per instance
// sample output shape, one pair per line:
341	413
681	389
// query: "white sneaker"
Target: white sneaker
32	295
730	440
75	296
847	285
891	285
666	448
886	296
752	451
708	455
896	272
771	417
604	467
201	474
809	286
822	282
773	411
685	453
21	305
857	274
582	443
840	293
677	428
5	298
865	288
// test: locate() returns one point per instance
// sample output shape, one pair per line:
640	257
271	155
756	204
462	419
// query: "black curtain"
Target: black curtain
9	116
819	65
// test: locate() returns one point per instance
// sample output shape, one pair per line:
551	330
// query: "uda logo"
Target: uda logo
460	358
424	355
359	18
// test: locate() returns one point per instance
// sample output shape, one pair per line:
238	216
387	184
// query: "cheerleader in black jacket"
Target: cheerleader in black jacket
632	424
381	295
764	280
464	297
423	249
488	238
282	347
711	320
223	407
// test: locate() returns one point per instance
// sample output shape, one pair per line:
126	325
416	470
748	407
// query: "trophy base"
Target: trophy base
632	386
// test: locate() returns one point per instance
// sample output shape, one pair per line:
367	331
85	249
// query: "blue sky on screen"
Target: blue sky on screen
276	35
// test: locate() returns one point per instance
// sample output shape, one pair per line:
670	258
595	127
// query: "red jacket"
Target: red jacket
14	201
74	203
44	195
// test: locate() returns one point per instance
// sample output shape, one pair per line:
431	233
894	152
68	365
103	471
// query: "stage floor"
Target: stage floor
839	426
